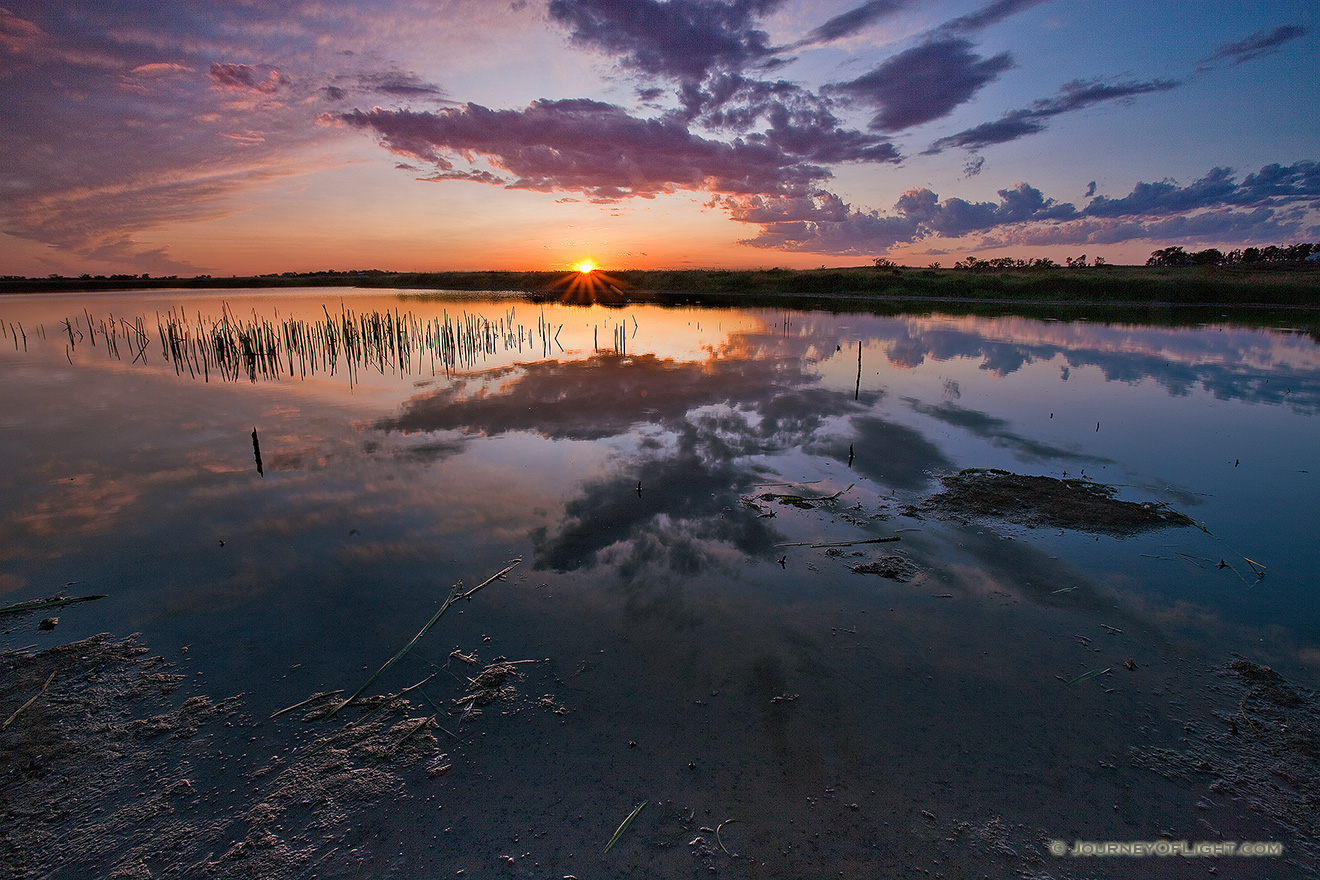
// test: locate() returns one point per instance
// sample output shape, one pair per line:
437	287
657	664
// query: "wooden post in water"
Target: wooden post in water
256	451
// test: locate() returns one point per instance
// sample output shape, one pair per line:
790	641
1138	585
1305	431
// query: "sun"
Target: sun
586	267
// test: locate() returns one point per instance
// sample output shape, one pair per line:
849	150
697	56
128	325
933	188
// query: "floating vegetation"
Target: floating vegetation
1046	501
806	502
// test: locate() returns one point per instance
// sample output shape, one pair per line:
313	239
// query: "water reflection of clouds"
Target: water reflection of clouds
1265	366
997	431
694	427
890	454
673	521
607	396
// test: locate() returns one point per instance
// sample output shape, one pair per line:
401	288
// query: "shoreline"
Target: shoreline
1251	287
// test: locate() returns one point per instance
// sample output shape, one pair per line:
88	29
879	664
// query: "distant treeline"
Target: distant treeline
1176	256
1170	256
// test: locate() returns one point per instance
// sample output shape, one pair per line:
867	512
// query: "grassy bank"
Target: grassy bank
1295	285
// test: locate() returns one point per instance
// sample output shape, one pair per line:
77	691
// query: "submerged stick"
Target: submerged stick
20	709
454	596
39	604
624	827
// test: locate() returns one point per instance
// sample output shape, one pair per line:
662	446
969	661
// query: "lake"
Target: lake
710	624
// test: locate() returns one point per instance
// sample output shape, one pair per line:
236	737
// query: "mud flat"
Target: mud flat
1039	501
108	773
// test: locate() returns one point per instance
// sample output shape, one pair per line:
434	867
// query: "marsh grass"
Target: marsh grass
232	348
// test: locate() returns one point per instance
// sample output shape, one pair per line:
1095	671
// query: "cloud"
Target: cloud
991	13
680	39
1272	185
18	34
1072	96
1268	205
160	68
590	147
923	83
245	78
120	120
850	22
1255	46
99	222
920	214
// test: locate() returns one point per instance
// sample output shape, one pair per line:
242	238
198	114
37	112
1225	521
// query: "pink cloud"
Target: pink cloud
244	78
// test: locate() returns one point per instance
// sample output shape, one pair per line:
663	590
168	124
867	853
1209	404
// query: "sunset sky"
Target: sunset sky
250	136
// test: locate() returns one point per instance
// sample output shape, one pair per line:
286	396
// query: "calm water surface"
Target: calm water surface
710	660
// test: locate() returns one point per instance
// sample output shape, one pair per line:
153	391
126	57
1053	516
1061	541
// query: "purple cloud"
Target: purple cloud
923	83
799	123
1072	96
681	39
1273	186
852	21
1269	205
991	13
589	147
1258	44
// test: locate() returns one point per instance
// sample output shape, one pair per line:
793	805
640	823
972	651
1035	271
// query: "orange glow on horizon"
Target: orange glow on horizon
587	284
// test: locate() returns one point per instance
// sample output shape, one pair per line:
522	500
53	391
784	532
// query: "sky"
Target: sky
182	137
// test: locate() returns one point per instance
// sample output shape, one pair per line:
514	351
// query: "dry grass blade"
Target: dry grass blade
624	827
312	699
1242	710
454	596
720	840
19	711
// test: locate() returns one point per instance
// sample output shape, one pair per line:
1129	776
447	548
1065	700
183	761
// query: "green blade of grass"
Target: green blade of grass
1087	676
39	604
624	827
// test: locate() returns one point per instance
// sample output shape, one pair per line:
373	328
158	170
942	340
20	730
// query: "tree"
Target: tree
1169	256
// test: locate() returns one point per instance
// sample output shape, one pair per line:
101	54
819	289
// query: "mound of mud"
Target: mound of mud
1048	502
